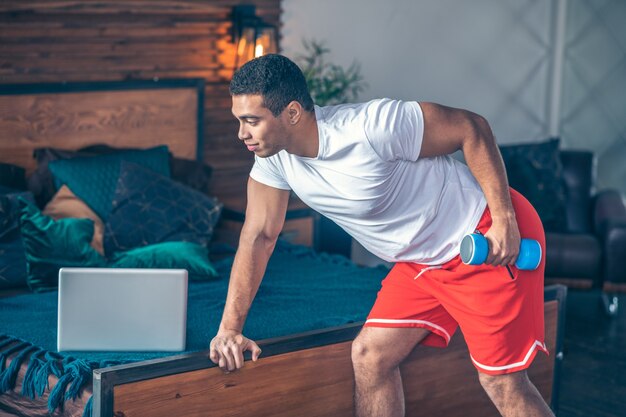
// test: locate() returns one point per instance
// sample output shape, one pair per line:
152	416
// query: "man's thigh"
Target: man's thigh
403	303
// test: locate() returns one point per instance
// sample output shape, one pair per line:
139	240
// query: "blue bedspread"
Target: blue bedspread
301	291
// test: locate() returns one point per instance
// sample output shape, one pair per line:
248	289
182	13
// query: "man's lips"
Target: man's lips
252	148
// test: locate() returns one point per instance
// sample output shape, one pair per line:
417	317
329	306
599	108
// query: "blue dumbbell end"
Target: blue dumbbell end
529	255
474	249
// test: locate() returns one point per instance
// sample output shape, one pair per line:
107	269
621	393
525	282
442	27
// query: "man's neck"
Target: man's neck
306	136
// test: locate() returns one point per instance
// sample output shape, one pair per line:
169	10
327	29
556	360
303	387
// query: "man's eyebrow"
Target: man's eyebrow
247	116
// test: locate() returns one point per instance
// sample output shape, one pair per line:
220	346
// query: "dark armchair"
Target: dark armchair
588	253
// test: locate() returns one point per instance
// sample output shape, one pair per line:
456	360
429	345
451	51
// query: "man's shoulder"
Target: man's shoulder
378	107
351	107
346	112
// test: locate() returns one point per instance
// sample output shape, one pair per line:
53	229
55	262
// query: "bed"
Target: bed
305	367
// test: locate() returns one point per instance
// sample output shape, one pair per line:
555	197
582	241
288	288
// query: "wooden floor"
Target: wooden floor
593	381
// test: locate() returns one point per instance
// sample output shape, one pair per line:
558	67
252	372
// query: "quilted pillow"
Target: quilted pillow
93	179
12	253
150	208
535	170
51	245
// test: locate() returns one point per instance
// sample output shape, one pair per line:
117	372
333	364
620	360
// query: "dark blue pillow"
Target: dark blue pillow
12	176
12	253
150	208
93	179
8	190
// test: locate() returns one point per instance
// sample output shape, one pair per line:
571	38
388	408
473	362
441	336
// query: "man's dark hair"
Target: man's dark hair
277	79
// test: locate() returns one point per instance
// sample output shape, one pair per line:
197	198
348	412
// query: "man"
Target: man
381	171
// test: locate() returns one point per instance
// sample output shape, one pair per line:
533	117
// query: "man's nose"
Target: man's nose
243	133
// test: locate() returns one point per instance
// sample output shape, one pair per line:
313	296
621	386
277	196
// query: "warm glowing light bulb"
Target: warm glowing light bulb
258	51
242	46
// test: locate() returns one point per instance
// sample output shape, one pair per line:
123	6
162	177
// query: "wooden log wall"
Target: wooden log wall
92	40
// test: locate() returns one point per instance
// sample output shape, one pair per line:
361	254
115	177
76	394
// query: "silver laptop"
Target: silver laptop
122	309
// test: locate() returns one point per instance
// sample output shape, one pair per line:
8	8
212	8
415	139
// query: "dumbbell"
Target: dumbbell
475	248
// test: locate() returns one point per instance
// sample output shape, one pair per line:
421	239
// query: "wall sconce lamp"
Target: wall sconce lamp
252	36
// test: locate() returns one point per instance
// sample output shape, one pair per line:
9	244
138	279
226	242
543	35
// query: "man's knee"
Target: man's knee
368	359
500	385
364	355
378	351
514	395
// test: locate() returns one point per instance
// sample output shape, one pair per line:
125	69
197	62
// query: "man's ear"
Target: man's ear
294	112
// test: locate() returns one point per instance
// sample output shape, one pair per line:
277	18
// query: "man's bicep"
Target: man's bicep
266	209
445	128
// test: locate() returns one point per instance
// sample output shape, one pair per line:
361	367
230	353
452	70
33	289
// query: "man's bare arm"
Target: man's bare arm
447	130
265	216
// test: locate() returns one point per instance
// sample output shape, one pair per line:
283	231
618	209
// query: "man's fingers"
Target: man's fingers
230	360
499	256
256	351
214	356
222	356
512	259
492	253
508	257
237	355
493	258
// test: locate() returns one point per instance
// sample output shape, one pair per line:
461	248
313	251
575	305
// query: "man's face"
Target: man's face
260	131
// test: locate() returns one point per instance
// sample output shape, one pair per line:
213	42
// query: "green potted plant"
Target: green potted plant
329	83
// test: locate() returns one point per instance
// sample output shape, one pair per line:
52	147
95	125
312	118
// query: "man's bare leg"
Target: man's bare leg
514	395
376	356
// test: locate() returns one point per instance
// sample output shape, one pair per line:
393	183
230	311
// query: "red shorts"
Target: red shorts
501	317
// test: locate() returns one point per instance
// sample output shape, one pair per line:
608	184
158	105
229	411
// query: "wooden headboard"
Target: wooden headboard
133	114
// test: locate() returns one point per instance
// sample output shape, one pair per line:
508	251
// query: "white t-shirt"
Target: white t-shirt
368	179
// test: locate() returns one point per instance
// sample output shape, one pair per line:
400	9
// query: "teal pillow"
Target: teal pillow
51	245
94	179
169	255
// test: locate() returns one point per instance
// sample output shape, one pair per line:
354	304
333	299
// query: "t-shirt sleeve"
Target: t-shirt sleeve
266	171
395	129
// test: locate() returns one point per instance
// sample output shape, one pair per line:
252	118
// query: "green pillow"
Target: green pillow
51	245
94	179
169	255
